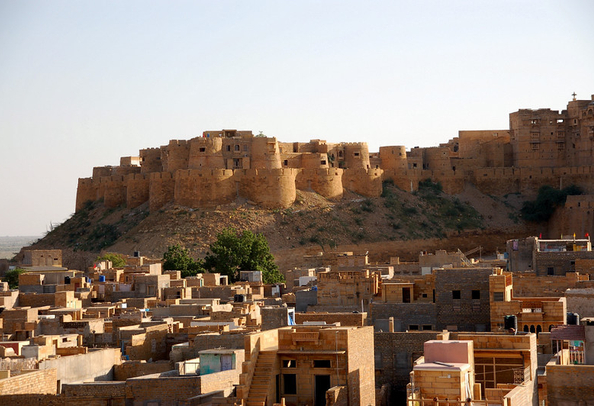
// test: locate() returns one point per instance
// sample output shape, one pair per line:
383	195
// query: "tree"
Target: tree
12	277
548	199
177	258
233	252
117	260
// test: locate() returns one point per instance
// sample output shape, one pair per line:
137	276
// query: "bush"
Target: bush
12	277
117	260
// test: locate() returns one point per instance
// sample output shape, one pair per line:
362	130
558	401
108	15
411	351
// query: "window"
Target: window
289	363
427	327
456	294
236	147
498	296
289	384
323	162
356	154
476	294
228	147
245	147
322	363
413	327
202	149
550	270
286	162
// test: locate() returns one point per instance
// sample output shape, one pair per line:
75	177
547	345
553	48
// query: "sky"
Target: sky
83	83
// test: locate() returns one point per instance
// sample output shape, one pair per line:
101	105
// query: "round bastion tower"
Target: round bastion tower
393	158
265	153
206	152
356	155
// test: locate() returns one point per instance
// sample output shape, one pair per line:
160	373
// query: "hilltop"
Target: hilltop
396	223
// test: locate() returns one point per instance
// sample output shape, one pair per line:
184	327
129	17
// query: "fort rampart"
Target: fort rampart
222	166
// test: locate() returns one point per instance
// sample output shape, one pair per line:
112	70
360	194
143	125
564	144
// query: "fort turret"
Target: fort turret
175	155
393	157
265	153
206	152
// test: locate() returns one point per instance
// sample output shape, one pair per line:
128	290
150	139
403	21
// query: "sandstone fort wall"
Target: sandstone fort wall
542	147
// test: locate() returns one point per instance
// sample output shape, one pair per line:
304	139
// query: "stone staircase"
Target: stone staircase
263	374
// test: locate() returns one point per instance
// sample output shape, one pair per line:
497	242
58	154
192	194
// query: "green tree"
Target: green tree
548	199
233	252
12	277
117	260
177	258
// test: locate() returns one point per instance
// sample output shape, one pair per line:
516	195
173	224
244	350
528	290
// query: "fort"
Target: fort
540	147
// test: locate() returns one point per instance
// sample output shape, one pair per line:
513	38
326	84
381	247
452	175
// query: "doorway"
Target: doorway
322	385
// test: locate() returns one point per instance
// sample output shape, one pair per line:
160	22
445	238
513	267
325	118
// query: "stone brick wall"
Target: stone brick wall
466	313
131	369
570	384
394	357
361	369
30	382
95	394
209	341
405	315
95	366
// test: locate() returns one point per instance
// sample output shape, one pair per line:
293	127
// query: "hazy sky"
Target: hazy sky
83	83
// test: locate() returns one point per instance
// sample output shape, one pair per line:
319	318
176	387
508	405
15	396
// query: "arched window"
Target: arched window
532	329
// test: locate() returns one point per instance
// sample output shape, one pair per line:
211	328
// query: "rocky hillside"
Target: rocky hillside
397	223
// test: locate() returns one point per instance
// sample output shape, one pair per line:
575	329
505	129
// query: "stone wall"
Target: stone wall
94	366
394	357
462	312
345	319
132	369
405	315
30	382
497	162
569	384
